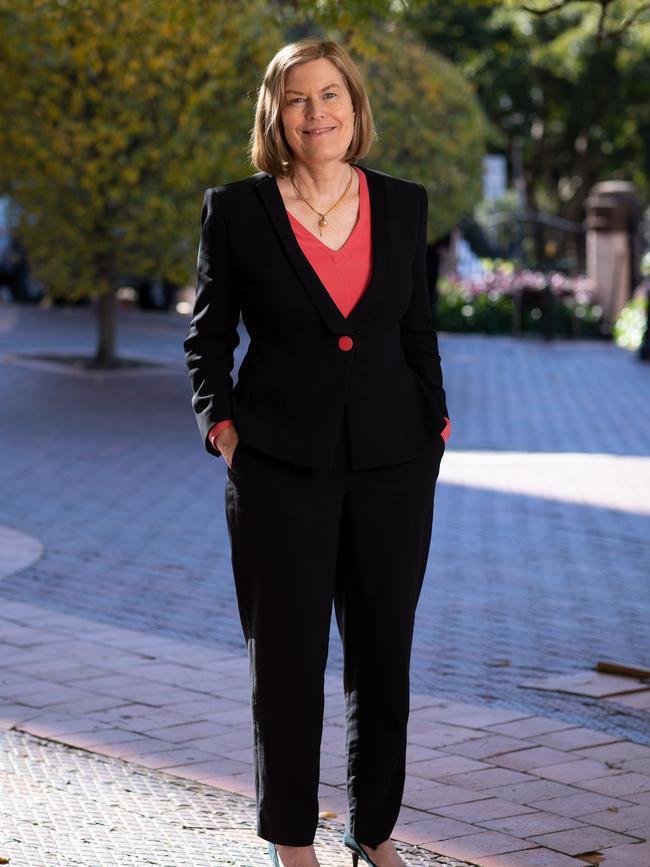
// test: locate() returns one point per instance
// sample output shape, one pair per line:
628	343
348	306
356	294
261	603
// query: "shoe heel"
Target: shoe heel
357	851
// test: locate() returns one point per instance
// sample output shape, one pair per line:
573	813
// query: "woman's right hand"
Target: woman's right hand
226	442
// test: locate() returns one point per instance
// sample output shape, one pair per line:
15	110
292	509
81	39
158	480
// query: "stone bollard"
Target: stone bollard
613	216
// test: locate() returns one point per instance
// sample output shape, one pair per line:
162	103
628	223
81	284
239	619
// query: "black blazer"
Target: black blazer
296	377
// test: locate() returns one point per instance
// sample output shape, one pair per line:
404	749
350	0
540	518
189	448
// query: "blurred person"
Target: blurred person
333	438
437	254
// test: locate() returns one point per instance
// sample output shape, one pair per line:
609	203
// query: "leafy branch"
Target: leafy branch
604	30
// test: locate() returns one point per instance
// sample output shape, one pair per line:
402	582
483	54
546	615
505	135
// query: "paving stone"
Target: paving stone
631	819
465	713
486	808
526	793
574	770
639	766
476	846
583	839
615	752
552	493
627	855
638	700
418	753
62	806
487	746
638	797
445	766
432	735
432	797
532	757
617	785
581	804
573	738
486	779
433	828
538	822
558	528
587	683
530	727
531	858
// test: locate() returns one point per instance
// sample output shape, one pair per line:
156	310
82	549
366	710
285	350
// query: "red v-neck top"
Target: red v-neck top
345	273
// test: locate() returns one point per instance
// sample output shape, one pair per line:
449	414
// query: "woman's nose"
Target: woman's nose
313	109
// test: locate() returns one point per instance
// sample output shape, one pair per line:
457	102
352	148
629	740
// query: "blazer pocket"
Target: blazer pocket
234	461
424	391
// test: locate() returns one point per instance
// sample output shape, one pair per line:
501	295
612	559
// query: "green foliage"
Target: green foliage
599	20
630	326
430	126
578	104
120	115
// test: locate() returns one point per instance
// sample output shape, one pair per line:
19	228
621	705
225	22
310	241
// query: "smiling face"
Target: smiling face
317	112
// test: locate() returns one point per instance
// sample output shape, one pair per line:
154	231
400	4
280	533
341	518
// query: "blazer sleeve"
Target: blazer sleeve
213	336
419	339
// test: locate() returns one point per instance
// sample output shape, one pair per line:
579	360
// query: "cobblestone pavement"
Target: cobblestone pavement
494	787
541	543
62	807
118	637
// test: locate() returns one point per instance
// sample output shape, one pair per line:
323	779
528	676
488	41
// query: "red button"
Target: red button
345	343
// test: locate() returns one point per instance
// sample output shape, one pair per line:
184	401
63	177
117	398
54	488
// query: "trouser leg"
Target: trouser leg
384	544
283	522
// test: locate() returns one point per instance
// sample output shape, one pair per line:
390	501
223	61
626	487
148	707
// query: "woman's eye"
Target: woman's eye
325	96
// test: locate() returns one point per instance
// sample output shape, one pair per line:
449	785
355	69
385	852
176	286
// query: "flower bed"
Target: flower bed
505	300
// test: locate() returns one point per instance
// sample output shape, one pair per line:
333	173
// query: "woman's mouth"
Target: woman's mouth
321	130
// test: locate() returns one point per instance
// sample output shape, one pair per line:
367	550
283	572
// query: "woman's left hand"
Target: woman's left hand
226	442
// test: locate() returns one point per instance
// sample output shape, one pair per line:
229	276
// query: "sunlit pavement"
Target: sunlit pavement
119	630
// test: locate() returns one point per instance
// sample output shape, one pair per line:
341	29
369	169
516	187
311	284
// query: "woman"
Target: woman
333	437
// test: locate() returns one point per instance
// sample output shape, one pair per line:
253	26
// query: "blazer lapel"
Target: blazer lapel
361	314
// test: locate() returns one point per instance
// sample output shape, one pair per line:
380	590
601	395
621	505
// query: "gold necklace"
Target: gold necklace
323	222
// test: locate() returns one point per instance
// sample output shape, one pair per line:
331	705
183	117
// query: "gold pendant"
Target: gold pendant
322	221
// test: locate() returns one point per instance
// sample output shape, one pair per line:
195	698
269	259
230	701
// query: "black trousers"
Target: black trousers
303	539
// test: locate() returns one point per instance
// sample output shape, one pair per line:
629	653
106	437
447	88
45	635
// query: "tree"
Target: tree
430	125
121	115
117	116
614	16
577	104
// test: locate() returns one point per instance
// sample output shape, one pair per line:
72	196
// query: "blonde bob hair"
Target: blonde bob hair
269	151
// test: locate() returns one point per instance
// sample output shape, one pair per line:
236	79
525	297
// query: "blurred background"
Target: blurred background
528	123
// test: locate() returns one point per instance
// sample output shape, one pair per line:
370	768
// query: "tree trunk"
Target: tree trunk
105	355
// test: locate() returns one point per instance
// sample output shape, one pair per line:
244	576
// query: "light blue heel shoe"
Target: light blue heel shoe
357	851
273	853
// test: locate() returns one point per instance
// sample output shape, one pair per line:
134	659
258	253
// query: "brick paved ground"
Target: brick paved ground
491	786
538	567
63	806
541	542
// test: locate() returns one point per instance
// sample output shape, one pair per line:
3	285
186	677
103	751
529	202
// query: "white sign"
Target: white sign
495	176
